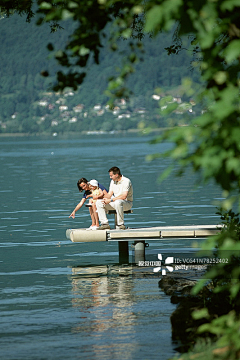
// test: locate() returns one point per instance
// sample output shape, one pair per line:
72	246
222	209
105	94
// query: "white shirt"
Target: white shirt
119	187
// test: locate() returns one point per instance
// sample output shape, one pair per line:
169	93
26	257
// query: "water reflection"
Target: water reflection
118	314
106	306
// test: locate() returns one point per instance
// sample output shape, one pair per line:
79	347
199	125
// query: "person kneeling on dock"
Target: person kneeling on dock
119	198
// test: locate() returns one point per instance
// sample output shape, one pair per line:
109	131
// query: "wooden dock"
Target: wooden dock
141	234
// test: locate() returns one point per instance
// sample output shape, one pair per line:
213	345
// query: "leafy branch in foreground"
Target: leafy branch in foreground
211	145
225	283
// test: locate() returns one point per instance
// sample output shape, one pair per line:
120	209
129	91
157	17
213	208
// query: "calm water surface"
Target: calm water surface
61	300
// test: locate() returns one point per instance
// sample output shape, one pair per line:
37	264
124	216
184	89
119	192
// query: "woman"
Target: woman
83	185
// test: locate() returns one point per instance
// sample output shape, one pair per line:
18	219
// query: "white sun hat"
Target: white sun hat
93	182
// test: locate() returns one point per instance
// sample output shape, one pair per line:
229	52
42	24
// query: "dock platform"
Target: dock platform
140	235
151	233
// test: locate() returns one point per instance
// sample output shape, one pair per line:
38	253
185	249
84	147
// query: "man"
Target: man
119	198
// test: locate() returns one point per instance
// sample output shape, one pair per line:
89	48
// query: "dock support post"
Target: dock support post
139	251
123	252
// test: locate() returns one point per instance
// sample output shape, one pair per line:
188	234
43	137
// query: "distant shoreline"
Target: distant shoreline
143	132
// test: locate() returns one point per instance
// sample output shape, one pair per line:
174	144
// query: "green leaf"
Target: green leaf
204	328
72	5
114	84
45	6
179	151
59	54
153	18
200	284
83	51
235	290
138	9
169	108
229	5
66	14
165	100
220	77
199	314
232	164
225	106
126	33
165	173
232	52
206	40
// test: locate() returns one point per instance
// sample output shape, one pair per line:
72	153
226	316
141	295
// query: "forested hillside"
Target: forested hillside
28	103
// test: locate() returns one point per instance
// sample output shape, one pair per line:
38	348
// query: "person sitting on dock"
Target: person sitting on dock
83	185
119	198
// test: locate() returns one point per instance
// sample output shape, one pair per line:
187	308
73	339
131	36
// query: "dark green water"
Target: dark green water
61	300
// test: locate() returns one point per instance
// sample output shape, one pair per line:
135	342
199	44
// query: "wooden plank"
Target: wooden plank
177	233
150	234
133	234
206	232
187	227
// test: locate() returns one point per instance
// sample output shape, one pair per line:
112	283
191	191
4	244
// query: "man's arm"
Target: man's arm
108	195
123	196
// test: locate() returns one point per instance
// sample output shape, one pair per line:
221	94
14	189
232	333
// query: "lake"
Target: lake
63	300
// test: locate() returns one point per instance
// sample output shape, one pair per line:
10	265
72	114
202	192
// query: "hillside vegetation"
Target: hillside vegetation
29	105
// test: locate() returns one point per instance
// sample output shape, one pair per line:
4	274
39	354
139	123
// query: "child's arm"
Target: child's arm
100	196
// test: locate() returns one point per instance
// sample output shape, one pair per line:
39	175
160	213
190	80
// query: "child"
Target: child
96	194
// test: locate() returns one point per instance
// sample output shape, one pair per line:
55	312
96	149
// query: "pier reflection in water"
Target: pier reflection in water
119	312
